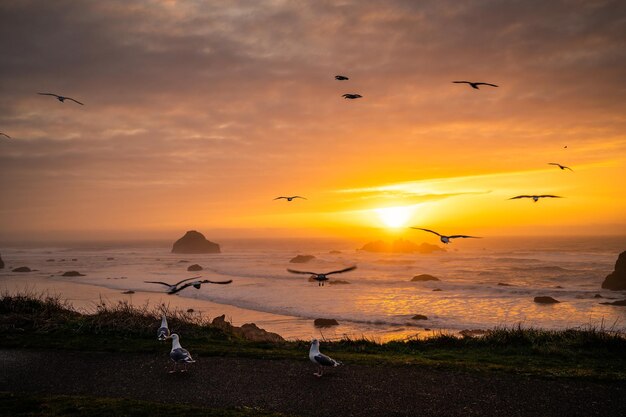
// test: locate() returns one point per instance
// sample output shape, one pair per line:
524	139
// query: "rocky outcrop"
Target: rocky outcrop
248	331
72	274
424	277
545	300
22	269
401	246
194	267
419	317
616	303
616	280
195	242
300	259
325	322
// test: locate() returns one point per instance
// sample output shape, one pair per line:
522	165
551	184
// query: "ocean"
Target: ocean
482	284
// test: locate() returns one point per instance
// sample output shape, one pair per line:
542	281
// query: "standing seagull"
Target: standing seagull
474	84
164	331
4	134
320	359
320	278
446	239
535	197
290	198
560	166
179	355
351	96
61	98
341	78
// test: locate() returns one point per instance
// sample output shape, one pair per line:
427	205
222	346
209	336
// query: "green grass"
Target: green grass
23	405
43	322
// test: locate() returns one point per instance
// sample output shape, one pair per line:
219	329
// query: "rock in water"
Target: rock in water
1	263
73	274
22	269
424	277
195	242
194	267
325	322
616	280
616	303
419	317
546	300
300	259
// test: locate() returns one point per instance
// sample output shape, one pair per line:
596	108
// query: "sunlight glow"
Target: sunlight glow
395	217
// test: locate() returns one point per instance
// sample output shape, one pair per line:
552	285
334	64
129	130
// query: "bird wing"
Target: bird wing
208	281
461	82
324	360
181	355
185	280
549	196
568	168
4	134
521	196
341	271
464	236
182	287
49	94
426	230
159	282
293	271
278	198
75	101
297	196
493	85
554	163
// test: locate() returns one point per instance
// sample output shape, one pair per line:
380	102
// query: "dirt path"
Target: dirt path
288	386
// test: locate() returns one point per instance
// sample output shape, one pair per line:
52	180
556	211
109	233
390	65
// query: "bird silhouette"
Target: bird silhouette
446	239
535	197
341	77
290	198
560	166
198	284
474	84
320	278
351	96
4	134
61	98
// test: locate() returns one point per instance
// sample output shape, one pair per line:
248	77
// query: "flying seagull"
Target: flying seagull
179	355
560	166
341	78
164	331
474	84
61	98
446	239
198	284
320	359
351	96
172	288
4	134
290	198
320	278
535	197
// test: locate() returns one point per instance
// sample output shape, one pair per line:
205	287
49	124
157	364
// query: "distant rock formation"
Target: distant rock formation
110	259
194	267
545	300
504	284
401	246
325	322
419	317
616	303
195	242
72	274
1	263
249	331
424	277
22	269
616	280
300	259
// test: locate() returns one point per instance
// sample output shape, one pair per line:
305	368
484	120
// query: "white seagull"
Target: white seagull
320	278
474	84
164	331
179	354
341	78
4	134
560	166
61	98
446	239
535	197
290	198
351	96
320	359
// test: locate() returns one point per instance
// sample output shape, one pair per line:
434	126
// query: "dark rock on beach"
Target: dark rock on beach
300	259
72	274
22	269
249	331
194	267
598	296
504	284
129	292
545	300
424	277
616	280
195	242
110	259
616	303
437	289
325	322
419	317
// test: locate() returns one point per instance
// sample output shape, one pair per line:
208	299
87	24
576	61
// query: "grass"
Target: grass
23	405
45	322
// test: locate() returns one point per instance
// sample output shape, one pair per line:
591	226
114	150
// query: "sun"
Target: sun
395	217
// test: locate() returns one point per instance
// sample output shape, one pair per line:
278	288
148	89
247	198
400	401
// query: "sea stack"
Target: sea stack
195	242
616	280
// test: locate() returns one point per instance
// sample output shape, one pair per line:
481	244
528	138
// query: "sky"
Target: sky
198	113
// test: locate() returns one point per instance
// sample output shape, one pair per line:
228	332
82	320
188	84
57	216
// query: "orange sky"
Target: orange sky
199	113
